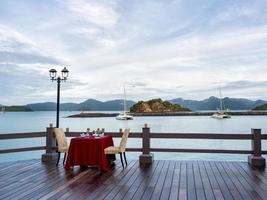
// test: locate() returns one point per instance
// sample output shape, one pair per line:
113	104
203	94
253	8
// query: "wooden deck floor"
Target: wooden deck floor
163	180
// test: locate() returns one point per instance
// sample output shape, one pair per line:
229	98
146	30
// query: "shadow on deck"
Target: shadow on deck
162	180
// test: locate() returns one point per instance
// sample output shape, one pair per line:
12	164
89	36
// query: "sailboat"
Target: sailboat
221	114
124	115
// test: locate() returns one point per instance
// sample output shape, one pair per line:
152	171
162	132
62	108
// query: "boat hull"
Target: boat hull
221	116
124	117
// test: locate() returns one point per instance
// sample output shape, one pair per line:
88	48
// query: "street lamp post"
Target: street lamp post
63	77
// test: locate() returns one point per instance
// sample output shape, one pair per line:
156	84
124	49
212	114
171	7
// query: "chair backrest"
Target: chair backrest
124	140
62	144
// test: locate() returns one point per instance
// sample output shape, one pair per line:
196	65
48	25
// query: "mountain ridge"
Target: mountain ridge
87	105
211	103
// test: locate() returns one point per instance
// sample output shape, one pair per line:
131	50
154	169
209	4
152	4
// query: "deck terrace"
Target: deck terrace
33	179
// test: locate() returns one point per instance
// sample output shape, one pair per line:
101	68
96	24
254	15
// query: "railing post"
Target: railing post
256	159
146	158
50	154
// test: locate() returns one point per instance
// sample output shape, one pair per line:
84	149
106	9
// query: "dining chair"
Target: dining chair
120	149
62	144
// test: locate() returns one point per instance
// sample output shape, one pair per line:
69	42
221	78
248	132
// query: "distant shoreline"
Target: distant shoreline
157	114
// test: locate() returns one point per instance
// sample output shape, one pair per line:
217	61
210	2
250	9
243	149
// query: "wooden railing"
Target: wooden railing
22	136
255	159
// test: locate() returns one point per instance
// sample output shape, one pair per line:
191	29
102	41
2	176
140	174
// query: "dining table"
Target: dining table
89	151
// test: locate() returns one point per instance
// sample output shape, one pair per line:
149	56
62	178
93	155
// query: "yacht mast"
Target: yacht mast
221	101
124	101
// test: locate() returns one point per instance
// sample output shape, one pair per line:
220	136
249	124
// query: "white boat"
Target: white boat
124	115
221	114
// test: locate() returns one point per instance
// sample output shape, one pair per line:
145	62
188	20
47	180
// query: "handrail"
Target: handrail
114	134
23	149
226	151
255	137
21	135
215	136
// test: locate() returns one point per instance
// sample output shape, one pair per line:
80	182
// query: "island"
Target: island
262	107
156	106
15	109
153	107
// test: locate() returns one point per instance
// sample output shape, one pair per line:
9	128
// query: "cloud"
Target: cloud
156	48
237	85
16	48
95	12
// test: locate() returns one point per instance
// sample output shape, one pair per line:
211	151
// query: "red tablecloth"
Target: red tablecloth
89	151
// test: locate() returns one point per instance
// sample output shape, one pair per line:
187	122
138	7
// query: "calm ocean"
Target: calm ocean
38	121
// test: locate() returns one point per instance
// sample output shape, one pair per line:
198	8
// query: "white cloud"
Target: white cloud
158	48
98	13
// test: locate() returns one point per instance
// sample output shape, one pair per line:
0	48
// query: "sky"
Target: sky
155	48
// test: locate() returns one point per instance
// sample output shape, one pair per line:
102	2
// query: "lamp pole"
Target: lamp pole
63	77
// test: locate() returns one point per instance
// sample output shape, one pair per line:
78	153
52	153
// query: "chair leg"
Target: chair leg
64	158
121	160
58	158
125	158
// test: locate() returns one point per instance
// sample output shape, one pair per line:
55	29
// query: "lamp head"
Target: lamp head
53	73
65	73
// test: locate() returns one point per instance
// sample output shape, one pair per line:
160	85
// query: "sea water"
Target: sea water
13	122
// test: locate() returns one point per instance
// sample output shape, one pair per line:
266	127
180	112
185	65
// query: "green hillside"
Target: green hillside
156	105
262	107
17	109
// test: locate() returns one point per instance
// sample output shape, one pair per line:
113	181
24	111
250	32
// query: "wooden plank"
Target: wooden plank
51	182
151	185
228	181
174	192
183	182
15	186
219	179
50	194
256	175
77	186
206	183
128	190
162	180
160	183
166	190
18	184
54	179
124	188
128	177
16	171
198	182
239	186
145	173
213	182
97	184
143	186
13	165
110	183
248	182
191	187
111	188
